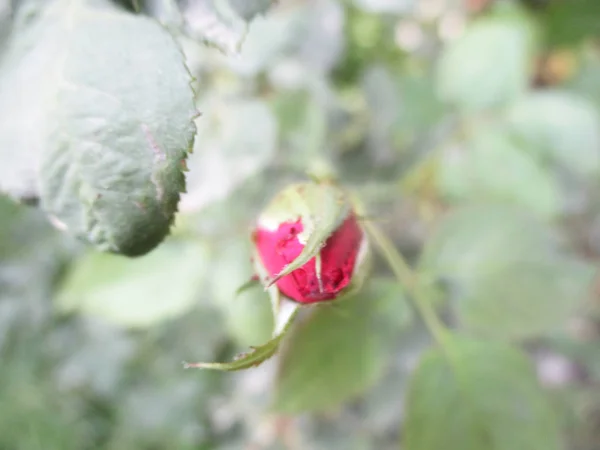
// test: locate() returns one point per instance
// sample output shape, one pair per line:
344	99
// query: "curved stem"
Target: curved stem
407	278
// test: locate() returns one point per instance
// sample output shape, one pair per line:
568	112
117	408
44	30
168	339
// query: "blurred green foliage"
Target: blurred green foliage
469	129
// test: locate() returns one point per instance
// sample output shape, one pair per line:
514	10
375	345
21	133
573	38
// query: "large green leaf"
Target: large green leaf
490	64
477	395
140	292
99	112
338	351
560	127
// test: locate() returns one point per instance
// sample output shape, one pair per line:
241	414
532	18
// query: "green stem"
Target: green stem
407	278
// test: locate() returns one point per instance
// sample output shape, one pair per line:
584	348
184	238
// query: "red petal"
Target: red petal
338	257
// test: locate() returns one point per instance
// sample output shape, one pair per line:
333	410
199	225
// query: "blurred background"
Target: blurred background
471	131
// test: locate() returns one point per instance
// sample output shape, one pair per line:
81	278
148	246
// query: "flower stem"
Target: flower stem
408	279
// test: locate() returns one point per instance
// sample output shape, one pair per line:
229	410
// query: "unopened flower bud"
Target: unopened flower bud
313	229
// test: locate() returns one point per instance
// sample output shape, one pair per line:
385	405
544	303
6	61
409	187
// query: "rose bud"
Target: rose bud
310	244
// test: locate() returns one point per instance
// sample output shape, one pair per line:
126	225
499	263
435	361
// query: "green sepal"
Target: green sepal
256	355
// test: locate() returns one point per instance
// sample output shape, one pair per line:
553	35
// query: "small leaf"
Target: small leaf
136	293
257	354
478	395
339	349
490	64
254	357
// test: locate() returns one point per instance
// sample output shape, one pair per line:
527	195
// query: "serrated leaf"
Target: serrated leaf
108	125
338	350
495	166
476	395
112	172
524	299
490	64
136	293
257	354
559	127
